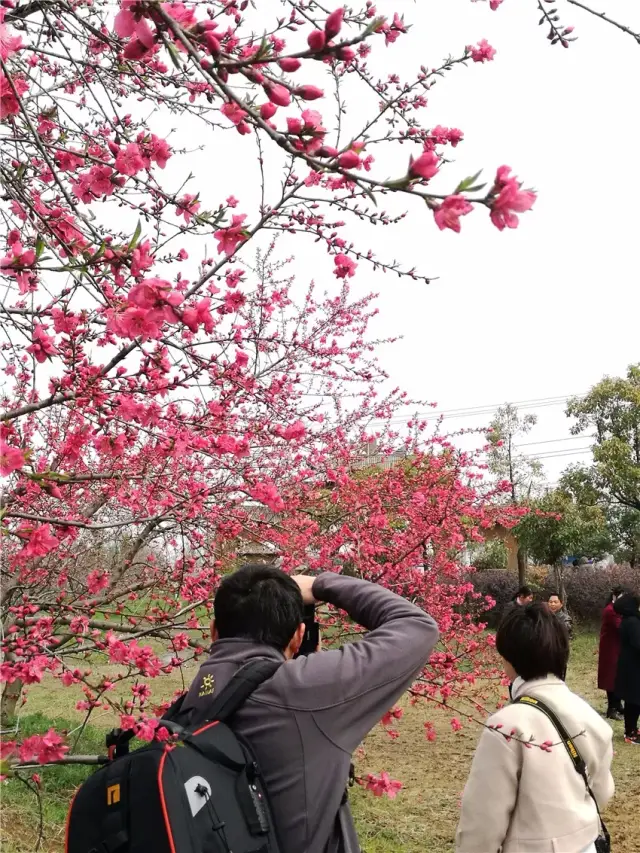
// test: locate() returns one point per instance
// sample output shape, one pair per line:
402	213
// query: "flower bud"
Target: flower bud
346	54
316	40
333	24
278	94
211	43
268	110
309	93
289	64
349	160
327	151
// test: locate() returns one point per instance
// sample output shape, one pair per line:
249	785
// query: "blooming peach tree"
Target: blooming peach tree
171	392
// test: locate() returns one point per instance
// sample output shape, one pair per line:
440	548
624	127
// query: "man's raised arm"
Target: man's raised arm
351	688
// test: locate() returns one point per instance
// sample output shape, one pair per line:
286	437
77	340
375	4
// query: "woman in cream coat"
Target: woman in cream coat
520	798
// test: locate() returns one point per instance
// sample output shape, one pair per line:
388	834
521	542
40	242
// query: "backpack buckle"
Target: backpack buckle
117	743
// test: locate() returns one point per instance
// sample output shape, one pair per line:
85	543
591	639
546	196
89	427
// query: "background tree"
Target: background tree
611	412
558	525
490	555
522	475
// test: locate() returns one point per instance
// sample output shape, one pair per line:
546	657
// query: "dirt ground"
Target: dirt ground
421	818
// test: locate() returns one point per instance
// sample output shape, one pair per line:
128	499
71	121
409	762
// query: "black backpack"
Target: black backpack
199	793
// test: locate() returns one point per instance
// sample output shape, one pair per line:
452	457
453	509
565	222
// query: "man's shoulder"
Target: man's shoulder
304	683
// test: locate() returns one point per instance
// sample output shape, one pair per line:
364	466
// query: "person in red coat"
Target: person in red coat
609	653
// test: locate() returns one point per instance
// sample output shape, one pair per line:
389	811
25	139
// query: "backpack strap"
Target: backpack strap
569	744
247	679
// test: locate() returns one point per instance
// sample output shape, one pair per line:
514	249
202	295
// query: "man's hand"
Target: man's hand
306	588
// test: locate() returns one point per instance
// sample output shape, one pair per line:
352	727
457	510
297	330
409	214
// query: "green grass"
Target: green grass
422	818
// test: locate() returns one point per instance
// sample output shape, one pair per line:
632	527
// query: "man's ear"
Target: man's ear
296	641
214	631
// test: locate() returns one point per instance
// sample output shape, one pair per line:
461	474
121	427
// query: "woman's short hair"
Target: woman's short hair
534	641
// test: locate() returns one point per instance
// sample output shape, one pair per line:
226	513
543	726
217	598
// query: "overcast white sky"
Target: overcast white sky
546	310
540	312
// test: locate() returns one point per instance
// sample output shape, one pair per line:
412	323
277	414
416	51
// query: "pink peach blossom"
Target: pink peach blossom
509	199
188	206
9	44
130	23
9	104
425	166
159	150
228	238
40	542
129	160
483	52
11	458
345	267
447	214
199	315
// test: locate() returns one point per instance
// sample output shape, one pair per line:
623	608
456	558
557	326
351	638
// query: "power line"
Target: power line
555	440
485	409
480	409
557	454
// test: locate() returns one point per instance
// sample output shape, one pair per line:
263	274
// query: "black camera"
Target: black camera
311	637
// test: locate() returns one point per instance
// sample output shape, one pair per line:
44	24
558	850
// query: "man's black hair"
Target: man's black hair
534	642
259	603
523	592
558	595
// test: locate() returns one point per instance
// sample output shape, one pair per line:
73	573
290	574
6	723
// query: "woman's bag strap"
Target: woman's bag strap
569	744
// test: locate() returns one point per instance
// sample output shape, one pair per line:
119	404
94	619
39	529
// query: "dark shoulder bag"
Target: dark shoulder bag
603	841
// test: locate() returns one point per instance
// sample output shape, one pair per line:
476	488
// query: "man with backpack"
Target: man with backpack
304	722
256	756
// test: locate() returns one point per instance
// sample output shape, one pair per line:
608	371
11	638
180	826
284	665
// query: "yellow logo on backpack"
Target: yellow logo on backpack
207	687
113	795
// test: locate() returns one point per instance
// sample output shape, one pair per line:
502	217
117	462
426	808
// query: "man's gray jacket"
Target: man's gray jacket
304	723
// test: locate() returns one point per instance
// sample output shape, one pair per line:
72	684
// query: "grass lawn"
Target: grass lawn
422	819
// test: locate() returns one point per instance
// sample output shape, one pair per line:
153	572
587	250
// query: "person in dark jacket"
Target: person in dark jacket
556	606
609	652
627	685
523	596
307	719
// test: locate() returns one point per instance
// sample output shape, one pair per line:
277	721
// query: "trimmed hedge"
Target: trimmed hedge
587	589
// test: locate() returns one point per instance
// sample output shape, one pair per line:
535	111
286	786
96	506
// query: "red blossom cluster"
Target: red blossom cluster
381	785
